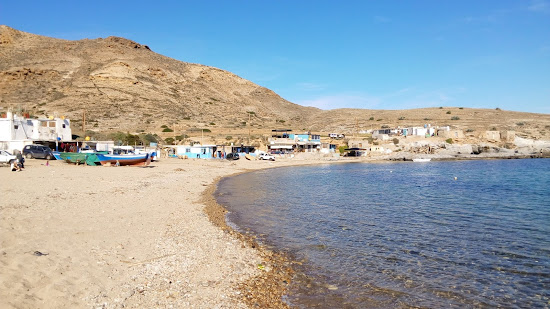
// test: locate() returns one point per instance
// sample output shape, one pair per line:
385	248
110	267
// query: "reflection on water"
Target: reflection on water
405	234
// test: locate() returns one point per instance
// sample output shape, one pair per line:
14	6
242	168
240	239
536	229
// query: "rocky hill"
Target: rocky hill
124	86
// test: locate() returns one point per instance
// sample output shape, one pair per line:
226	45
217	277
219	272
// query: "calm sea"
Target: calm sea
463	234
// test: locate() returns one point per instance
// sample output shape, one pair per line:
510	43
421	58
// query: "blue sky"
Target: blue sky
333	54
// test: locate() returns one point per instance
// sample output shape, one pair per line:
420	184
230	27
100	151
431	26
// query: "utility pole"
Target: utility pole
84	122
249	114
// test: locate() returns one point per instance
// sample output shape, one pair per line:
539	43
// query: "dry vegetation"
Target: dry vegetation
124	86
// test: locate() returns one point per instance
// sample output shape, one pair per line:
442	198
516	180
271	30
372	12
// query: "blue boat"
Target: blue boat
143	159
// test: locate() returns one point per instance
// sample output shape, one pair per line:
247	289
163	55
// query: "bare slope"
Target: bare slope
124	86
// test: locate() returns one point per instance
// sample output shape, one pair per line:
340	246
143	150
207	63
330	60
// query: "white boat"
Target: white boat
421	160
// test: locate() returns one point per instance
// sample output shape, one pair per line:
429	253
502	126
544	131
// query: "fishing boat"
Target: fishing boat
143	159
89	158
422	160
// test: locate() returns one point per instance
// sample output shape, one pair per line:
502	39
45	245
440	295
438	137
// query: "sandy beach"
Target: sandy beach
133	237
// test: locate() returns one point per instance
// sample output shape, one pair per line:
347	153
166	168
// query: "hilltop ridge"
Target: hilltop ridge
125	86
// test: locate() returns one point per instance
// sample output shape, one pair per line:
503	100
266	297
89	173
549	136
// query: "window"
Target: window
63	126
15	126
187	149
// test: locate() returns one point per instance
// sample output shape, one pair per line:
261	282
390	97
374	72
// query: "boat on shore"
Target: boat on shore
89	158
422	160
124	159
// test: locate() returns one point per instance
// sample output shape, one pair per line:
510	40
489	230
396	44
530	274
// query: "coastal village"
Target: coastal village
418	143
111	154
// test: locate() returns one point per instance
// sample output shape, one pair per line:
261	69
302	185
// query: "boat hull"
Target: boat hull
114	160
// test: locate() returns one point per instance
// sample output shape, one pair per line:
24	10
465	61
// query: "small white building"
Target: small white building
16	131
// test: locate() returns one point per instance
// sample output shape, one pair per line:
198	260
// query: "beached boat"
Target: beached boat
421	160
128	159
89	158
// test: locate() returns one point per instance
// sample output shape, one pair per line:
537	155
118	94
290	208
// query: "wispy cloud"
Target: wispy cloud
342	101
381	19
404	98
540	6
487	19
310	86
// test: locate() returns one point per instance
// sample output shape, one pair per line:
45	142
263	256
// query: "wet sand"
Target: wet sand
133	237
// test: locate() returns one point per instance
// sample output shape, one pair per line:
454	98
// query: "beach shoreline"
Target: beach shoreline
133	237
112	237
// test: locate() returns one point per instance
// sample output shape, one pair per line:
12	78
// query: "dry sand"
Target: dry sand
133	237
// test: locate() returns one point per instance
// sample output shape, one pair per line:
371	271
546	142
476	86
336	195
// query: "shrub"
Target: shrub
469	130
396	141
187	118
461	108
252	113
167	130
449	112
449	141
164	126
341	149
441	107
371	118
385	126
498	108
169	140
379	119
520	124
455	118
212	124
229	137
401	118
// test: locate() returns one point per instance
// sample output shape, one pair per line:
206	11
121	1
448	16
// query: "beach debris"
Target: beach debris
456	178
38	253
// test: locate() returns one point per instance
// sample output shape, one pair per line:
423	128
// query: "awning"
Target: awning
280	146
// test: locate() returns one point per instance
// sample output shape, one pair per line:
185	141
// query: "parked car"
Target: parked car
38	151
6	157
266	156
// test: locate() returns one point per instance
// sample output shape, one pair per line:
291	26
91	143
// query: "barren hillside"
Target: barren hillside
124	86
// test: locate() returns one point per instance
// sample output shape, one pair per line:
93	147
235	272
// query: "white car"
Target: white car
6	157
266	156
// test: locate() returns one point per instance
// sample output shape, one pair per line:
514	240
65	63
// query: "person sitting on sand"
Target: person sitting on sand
15	166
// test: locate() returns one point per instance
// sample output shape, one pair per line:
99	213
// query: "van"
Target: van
38	151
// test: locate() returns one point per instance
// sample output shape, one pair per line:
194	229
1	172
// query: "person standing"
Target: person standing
20	159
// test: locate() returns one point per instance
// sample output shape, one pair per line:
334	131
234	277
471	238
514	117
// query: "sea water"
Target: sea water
398	235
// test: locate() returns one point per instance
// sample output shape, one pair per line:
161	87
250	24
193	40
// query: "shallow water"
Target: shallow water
405	234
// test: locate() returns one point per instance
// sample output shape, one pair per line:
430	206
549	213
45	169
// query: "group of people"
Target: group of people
18	164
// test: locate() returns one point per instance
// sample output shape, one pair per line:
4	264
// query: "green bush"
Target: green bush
448	112
396	141
169	140
455	118
371	118
229	137
167	130
401	118
449	141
